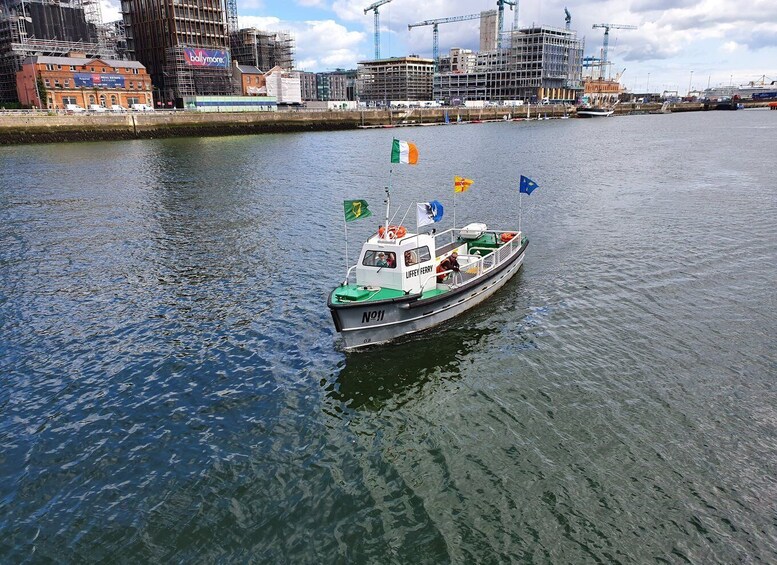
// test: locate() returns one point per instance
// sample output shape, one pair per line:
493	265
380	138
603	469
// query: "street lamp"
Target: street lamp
647	86
689	84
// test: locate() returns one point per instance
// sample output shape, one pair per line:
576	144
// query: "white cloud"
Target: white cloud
730	46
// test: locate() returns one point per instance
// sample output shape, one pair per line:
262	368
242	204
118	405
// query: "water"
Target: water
172	387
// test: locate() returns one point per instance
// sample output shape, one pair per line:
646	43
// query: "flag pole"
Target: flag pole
520	209
347	266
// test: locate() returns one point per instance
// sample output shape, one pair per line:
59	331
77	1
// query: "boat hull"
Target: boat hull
374	323
594	113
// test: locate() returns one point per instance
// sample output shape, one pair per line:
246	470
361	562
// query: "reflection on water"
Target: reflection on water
391	376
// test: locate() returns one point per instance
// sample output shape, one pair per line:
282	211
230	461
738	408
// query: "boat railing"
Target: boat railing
348	275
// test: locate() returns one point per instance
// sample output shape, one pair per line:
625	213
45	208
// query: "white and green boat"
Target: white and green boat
397	286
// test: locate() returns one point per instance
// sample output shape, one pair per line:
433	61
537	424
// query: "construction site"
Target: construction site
539	63
262	49
47	28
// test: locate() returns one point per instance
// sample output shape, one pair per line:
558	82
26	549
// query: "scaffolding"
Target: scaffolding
46	27
159	34
263	49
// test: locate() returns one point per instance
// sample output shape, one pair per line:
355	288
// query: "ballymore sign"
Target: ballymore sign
206	58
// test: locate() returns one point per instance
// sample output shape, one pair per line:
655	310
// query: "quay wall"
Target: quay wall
42	127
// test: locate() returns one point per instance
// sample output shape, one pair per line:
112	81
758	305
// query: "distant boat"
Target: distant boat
594	112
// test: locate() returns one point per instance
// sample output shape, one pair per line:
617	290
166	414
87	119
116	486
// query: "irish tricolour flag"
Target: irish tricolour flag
404	152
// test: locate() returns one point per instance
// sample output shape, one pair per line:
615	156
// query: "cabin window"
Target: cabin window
380	259
417	255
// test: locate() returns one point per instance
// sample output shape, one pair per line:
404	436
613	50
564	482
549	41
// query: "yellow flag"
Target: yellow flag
460	184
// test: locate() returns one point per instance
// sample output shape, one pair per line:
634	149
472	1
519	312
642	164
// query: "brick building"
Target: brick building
78	80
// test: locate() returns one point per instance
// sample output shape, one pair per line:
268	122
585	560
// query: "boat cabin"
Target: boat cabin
400	264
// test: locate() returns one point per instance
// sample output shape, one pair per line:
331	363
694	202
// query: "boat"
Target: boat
594	112
399	285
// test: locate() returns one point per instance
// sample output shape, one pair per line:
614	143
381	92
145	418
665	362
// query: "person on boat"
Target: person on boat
381	260
391	260
450	263
410	258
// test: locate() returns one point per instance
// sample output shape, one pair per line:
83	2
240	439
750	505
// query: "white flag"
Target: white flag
428	212
424	214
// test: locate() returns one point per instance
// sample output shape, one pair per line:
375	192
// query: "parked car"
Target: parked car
73	108
117	108
142	108
97	108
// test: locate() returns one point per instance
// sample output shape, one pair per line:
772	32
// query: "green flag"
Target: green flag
356	210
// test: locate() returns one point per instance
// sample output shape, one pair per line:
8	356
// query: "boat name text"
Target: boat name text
421	271
374	316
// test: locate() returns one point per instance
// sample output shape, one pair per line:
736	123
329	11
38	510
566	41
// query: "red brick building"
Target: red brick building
58	81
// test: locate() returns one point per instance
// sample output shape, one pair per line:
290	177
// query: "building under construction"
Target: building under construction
263	49
397	78
47	28
184	46
541	62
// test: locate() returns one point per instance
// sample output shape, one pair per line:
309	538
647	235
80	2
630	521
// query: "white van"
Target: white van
142	108
97	108
73	108
117	108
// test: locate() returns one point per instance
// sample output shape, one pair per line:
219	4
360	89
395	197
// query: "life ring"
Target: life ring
507	236
394	232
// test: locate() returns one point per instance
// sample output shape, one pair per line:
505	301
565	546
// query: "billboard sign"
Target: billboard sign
213	58
96	80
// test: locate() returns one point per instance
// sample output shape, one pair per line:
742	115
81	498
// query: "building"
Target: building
601	91
308	85
489	30
540	63
248	80
397	78
46	28
339	85
263	49
59	81
283	85
184	46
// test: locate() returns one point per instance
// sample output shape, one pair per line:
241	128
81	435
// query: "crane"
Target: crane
374	7
500	4
607	28
568	19
436	31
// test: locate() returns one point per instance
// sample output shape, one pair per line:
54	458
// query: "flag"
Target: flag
428	212
460	184
404	152
527	185
355	210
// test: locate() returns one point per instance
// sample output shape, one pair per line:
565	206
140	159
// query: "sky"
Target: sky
679	44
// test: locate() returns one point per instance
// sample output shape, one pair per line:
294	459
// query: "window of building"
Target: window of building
49	67
72	68
131	100
47	82
67	82
91	99
113	100
132	86
69	100
56	83
102	100
134	71
59	67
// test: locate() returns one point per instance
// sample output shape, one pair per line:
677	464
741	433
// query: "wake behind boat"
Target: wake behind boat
406	282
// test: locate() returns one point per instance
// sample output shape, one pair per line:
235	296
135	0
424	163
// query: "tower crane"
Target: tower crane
500	4
436	31
607	28
374	7
567	19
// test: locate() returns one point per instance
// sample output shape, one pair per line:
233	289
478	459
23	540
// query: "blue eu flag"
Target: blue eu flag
527	185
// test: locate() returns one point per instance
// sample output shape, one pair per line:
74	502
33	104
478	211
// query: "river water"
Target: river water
173	388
